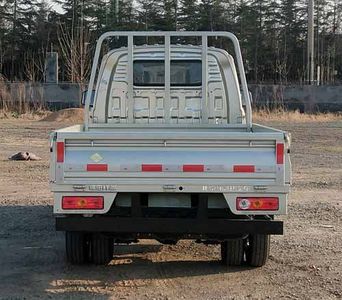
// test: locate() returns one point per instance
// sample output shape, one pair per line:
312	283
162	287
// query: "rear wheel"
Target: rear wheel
77	247
102	248
232	252
257	249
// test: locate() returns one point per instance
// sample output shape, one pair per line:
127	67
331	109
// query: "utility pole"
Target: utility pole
311	45
81	79
116	12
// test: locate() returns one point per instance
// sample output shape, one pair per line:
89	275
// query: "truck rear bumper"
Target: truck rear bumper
140	227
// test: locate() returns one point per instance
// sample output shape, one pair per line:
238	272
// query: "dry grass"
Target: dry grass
294	116
19	100
29	115
69	114
64	115
76	115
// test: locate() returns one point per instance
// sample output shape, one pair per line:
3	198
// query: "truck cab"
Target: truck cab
168	151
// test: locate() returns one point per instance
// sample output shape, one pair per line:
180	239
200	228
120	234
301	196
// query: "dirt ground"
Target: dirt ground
305	263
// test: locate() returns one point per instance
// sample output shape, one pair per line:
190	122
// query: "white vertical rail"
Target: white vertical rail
204	105
243	80
92	79
167	99
130	92
204	36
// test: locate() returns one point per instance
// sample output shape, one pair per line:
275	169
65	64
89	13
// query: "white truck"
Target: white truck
168	151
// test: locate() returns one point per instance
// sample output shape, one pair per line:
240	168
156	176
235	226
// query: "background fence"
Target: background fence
19	95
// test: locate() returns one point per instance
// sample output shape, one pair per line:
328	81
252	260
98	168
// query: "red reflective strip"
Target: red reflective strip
97	167
280	154
244	169
193	168
151	168
60	152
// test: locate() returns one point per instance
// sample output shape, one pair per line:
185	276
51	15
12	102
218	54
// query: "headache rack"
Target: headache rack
167	43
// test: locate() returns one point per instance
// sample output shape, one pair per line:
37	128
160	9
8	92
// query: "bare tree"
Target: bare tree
75	52
34	66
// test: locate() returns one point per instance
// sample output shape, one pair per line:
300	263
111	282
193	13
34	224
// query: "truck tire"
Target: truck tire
77	248
258	249
232	252
102	248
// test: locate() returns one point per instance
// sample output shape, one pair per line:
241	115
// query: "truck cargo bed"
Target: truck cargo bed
192	156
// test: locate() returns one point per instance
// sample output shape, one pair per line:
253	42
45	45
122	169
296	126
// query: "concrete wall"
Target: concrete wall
50	95
304	98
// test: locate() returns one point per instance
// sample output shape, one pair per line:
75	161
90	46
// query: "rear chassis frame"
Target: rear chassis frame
200	226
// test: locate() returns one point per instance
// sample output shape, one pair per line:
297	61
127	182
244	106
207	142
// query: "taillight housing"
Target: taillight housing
82	202
257	203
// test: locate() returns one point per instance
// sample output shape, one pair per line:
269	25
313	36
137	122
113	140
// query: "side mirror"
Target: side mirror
84	97
250	97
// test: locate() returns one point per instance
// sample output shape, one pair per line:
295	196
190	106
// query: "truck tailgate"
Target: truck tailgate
159	157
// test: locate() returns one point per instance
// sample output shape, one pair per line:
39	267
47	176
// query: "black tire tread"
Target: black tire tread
232	252
224	253
102	249
258	251
75	247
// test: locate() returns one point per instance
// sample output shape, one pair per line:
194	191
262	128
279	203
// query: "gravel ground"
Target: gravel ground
305	263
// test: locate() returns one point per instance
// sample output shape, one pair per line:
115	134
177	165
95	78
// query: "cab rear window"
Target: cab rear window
152	73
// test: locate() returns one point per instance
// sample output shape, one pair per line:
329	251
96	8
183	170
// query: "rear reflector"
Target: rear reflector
243	169
193	168
60	152
79	202
257	203
280	154
97	167
151	168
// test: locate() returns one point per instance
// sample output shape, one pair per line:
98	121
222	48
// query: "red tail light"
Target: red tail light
79	202
257	203
60	152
